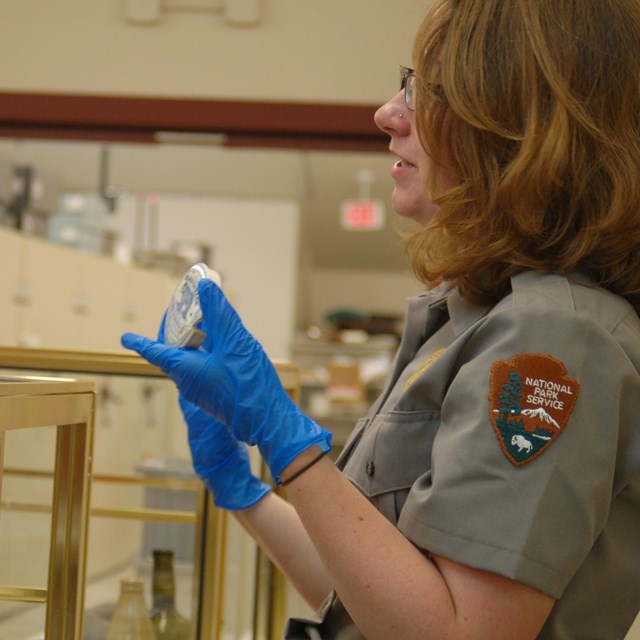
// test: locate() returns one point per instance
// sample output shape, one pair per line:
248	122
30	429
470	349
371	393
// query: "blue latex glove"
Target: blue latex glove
231	379
221	461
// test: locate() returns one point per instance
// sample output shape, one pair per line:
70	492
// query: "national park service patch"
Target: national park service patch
531	400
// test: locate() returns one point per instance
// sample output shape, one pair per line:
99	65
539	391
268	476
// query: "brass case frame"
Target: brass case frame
69	405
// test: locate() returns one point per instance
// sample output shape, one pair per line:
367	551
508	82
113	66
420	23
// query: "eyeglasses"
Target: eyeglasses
408	84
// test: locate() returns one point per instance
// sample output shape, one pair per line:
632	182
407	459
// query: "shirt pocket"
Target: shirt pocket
351	442
393	452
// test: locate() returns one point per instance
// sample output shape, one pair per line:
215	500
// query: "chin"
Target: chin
420	211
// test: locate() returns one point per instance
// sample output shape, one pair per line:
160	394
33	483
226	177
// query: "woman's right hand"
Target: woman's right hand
221	461
231	378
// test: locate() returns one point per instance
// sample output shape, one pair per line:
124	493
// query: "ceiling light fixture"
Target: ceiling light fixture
185	137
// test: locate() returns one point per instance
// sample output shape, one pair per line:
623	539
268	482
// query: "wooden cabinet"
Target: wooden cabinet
145	297
55	297
49	276
10	286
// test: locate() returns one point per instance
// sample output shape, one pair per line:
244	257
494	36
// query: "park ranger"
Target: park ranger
493	491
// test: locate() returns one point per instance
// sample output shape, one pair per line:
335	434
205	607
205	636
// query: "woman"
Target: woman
493	491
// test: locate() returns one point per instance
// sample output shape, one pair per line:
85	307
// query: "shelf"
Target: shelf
376	345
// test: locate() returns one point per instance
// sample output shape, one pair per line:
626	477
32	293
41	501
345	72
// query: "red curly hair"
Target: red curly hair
530	113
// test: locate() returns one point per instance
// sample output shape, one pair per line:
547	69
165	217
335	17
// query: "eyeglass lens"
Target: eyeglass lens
408	82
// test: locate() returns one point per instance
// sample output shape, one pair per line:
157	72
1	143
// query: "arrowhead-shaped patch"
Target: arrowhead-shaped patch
530	400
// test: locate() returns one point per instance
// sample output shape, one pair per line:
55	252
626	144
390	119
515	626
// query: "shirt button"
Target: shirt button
370	469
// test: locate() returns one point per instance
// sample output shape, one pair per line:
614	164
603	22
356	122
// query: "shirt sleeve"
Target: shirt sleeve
523	463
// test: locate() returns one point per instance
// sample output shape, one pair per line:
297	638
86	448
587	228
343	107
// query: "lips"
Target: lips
402	163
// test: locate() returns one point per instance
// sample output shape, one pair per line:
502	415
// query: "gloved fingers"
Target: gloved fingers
135	341
200	377
213	447
209	453
199	422
161	328
233	485
195	417
220	321
208	438
158	354
188	408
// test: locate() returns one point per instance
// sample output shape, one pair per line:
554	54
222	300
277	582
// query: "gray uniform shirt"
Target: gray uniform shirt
508	439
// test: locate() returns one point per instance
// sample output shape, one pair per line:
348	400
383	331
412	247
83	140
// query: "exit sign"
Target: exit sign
362	215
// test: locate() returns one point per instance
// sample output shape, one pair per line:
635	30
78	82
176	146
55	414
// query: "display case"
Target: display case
144	495
46	567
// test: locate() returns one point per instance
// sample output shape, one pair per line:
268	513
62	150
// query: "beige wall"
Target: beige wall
381	292
322	50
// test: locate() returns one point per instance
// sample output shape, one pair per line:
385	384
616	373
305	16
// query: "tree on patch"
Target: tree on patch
510	402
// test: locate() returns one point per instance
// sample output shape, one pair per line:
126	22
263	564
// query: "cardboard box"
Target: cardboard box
344	387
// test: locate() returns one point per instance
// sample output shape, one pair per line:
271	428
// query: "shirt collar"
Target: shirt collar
524	285
445	296
464	313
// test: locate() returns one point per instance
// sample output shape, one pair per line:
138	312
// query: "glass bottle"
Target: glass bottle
130	619
167	621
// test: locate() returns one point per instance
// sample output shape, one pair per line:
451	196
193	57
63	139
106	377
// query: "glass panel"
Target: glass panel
22	621
144	494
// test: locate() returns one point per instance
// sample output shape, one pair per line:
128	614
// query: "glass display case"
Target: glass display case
144	496
43	530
